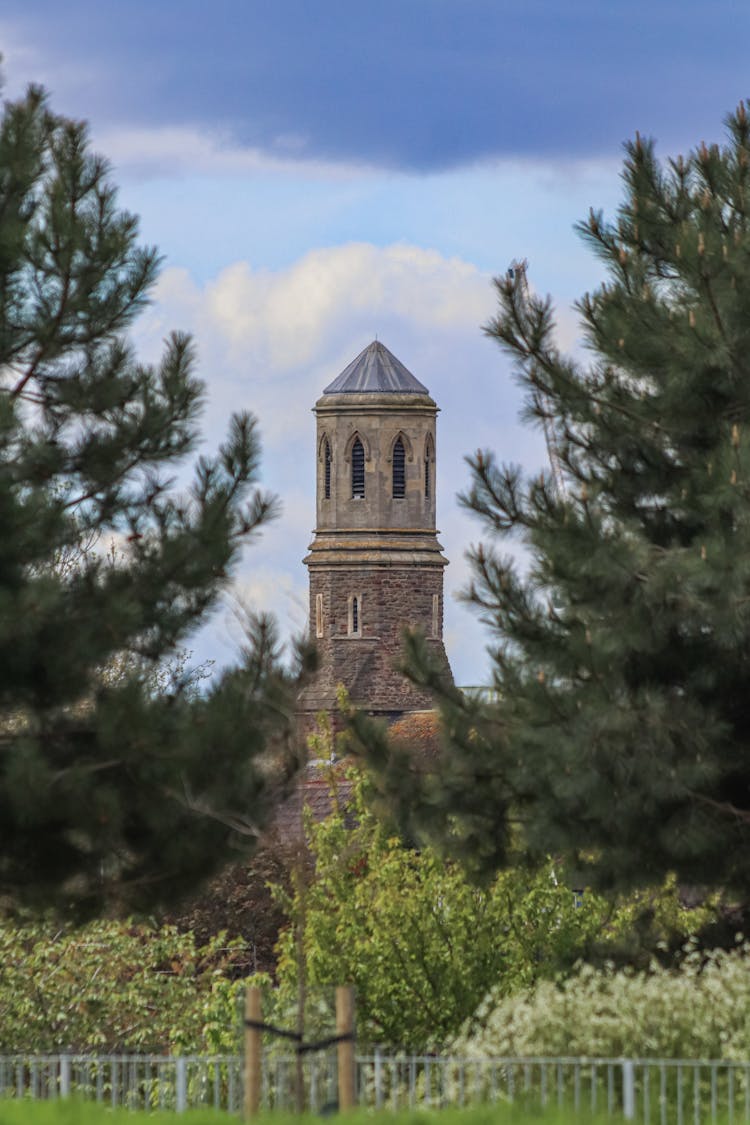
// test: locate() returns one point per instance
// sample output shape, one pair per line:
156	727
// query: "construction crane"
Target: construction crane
517	273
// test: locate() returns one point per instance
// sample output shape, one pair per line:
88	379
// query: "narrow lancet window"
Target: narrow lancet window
428	457
435	615
318	615
327	471
358	470
355	615
399	470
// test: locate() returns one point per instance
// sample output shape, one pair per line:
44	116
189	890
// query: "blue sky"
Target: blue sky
316	173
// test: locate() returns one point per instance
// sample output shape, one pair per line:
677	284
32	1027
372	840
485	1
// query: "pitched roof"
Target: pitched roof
418	732
318	790
376	370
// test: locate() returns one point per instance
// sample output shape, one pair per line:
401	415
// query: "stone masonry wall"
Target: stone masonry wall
390	600
378	548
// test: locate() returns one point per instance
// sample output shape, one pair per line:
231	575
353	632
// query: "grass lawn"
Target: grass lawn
72	1112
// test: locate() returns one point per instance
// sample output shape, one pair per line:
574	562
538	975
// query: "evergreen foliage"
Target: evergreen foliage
112	792
620	735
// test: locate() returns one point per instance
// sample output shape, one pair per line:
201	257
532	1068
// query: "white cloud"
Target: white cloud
287	316
271	338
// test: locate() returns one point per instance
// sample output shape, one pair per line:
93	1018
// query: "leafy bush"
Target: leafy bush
109	987
422	944
699	1010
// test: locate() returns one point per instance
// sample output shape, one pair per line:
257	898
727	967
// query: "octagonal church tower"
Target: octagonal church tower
375	564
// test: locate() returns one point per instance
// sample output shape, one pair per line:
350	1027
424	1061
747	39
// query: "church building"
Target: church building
375	563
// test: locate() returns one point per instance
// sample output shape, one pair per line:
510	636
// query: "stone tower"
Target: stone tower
375	564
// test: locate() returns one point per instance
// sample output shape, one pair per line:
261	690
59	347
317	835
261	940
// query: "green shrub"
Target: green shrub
422	945
113	986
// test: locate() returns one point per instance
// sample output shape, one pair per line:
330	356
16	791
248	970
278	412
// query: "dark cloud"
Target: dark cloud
414	84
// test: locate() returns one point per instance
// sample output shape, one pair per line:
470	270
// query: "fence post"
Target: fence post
65	1076
181	1085
345	1026
253	1039
378	1078
628	1089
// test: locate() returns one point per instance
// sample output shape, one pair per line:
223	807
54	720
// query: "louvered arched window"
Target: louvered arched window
358	470
327	470
399	470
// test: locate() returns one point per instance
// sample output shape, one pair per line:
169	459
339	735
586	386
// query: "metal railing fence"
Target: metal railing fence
651	1091
131	1081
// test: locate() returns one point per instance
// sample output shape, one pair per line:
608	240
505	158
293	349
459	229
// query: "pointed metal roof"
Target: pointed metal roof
376	370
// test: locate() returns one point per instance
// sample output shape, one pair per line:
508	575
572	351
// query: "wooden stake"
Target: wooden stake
253	1043
345	1026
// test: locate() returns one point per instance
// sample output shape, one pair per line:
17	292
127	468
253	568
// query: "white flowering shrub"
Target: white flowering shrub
699	1010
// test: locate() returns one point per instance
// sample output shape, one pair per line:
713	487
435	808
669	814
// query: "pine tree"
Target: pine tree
620	731
113	793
